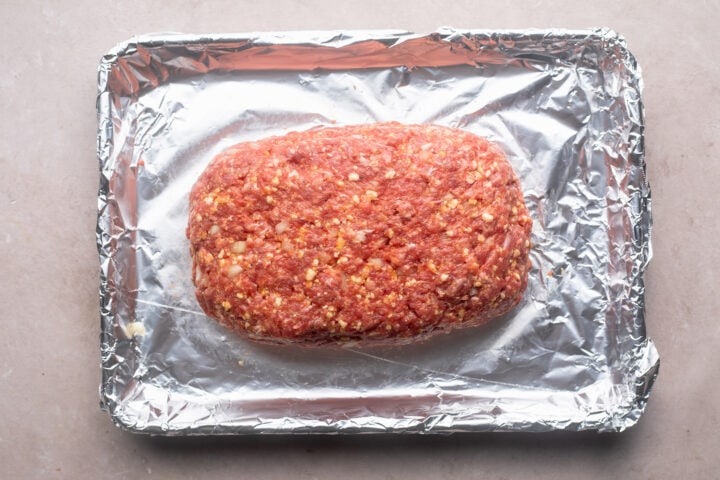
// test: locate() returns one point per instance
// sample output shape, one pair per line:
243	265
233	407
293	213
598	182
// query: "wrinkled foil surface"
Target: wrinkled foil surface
565	107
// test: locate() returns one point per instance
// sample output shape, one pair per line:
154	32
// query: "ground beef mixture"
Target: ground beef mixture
370	232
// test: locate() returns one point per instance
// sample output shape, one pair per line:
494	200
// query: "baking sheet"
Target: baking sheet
565	106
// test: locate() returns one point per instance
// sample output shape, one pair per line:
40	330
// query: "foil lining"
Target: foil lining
565	106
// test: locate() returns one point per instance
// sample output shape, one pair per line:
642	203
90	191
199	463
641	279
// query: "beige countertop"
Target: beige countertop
50	423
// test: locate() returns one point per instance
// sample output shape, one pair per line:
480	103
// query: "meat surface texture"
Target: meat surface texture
380	233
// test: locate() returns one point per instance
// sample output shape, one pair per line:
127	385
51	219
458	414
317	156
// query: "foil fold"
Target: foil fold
566	108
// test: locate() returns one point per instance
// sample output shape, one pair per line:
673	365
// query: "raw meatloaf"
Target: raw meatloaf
372	232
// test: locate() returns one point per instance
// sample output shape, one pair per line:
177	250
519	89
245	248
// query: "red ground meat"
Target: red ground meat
370	232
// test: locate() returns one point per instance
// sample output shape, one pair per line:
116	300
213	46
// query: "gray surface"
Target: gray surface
50	424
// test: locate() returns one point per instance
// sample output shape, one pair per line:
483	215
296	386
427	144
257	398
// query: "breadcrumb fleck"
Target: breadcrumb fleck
310	274
134	329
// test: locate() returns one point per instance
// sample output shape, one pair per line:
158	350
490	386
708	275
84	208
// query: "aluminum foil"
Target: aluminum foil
565	107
